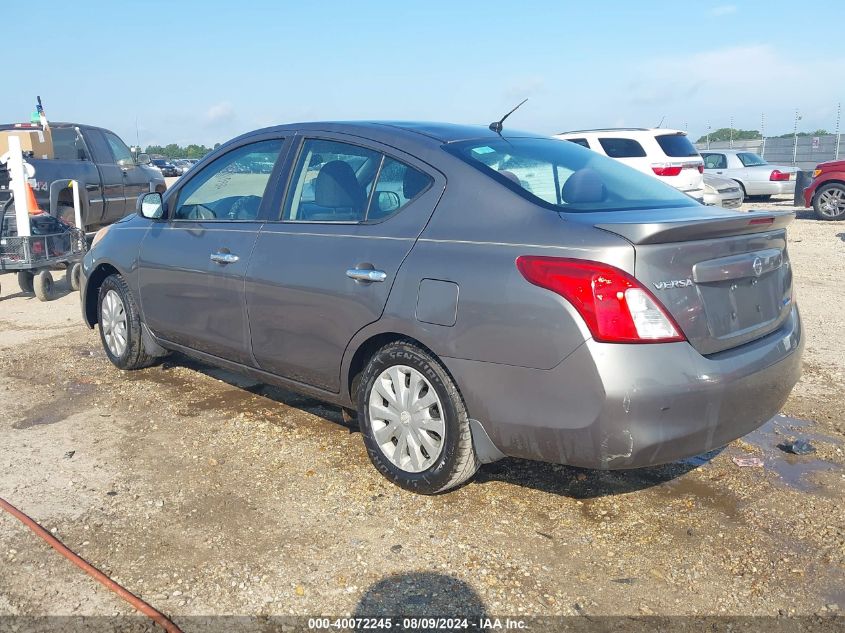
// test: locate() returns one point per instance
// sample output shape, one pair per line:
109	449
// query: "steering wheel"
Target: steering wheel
245	208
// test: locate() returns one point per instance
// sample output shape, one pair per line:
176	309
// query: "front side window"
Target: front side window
121	153
340	182
622	148
231	187
750	160
715	161
566	177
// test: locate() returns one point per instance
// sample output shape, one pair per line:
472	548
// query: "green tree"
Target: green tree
173	150
724	134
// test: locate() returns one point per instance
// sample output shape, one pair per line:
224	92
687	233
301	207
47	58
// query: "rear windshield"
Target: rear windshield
676	145
566	177
750	160
622	148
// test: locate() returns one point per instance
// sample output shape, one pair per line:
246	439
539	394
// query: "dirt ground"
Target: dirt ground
205	493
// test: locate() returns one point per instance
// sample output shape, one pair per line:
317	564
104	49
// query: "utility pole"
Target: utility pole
795	137
708	136
838	113
763	134
732	133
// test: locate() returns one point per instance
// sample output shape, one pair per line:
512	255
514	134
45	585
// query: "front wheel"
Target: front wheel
120	325
829	202
414	422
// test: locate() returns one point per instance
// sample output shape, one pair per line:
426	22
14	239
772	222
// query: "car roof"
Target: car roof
715	150
604	130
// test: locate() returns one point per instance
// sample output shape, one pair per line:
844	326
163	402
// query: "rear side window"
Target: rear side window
622	148
715	161
68	144
341	182
676	145
579	141
566	177
750	160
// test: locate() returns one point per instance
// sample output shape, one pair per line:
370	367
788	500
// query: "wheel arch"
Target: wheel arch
92	290
364	352
830	181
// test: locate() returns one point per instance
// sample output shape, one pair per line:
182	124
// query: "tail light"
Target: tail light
701	168
779	175
614	305
666	169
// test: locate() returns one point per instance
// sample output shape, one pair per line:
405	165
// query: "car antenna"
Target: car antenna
659	125
496	126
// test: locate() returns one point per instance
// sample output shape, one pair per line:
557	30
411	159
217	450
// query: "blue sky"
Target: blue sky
204	71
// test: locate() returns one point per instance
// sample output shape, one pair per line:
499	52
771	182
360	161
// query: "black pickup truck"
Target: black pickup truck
110	178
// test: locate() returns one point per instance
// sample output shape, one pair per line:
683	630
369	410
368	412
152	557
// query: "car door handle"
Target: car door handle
366	274
224	258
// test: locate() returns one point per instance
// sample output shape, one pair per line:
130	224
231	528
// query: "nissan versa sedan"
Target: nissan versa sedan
470	294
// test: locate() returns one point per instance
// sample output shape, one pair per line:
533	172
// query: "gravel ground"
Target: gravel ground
206	493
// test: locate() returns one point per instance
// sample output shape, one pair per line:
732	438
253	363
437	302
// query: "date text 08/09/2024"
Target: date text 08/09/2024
414	624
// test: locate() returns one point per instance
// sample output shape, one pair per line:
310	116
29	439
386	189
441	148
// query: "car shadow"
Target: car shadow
569	481
420	594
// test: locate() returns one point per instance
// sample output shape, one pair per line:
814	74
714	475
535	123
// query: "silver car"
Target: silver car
756	177
470	294
722	192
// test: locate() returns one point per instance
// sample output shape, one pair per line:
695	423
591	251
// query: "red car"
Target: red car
826	194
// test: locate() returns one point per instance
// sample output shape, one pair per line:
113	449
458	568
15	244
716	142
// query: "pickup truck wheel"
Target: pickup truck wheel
25	281
120	325
829	202
414	422
43	285
66	213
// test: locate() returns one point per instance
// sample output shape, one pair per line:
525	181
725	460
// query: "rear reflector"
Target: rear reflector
701	169
779	175
761	221
666	169
613	304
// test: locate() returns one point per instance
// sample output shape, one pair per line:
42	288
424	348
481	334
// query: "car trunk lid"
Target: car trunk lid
724	277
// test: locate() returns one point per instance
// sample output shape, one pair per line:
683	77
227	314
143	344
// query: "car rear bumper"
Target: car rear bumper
613	406
770	188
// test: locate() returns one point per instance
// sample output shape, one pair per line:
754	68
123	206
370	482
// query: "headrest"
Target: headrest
510	176
585	185
413	183
337	187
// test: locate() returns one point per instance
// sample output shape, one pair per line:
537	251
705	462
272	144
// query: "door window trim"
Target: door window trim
300	141
172	196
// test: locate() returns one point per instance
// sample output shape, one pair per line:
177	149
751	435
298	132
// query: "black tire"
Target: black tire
456	462
829	214
133	355
25	281
73	275
43	285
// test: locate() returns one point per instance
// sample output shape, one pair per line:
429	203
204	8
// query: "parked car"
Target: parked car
756	177
110	178
471	294
182	165
166	168
722	192
665	154
826	194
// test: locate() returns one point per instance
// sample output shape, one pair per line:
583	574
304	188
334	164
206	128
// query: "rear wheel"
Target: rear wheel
74	276
25	281
414	422
120	325
43	285
829	202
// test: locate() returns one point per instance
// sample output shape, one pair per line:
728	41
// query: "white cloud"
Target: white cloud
219	114
725	9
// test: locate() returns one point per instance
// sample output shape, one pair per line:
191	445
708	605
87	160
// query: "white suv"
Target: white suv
665	154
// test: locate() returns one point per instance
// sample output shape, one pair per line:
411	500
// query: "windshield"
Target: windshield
676	145
567	177
750	160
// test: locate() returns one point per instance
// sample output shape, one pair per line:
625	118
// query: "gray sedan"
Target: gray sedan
756	177
468	294
722	192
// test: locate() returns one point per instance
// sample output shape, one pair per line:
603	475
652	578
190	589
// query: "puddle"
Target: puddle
796	471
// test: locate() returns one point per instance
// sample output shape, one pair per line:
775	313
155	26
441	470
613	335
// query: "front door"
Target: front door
192	264
114	198
323	270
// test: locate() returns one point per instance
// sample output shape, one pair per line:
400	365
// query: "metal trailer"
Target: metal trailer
33	257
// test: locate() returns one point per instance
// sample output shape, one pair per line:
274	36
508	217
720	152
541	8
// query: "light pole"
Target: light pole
763	134
838	113
795	137
708	136
732	133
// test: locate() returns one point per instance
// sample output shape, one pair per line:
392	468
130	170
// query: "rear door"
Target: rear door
192	265
323	269
111	175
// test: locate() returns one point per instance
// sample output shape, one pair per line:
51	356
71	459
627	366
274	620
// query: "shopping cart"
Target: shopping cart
33	258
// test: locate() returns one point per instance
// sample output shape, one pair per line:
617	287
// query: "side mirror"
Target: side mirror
143	159
387	201
150	205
